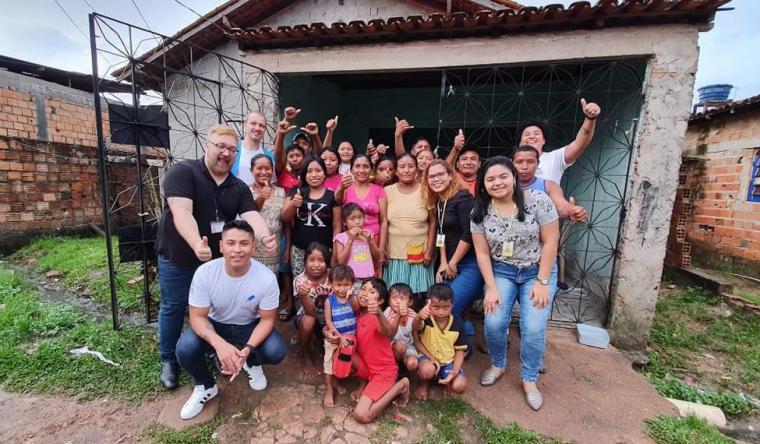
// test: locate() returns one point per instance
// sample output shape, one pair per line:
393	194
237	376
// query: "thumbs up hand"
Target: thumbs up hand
371	148
266	191
332	123
402	126
372	306
425	312
459	141
202	250
297	199
576	213
590	110
291	112
403	311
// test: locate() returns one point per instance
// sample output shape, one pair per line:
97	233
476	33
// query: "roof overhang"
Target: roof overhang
579	15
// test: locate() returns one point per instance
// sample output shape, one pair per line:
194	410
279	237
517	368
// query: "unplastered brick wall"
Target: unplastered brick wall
44	187
48	161
723	227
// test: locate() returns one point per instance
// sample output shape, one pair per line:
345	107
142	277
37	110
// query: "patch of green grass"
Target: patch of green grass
730	403
446	417
83	263
689	430
37	337
200	434
694	336
752	296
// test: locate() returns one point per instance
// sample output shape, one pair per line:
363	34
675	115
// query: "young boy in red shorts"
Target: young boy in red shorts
375	363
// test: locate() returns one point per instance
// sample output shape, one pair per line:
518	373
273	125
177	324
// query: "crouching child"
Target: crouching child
440	339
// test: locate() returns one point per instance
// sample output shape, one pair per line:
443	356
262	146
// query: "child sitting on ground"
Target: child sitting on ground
340	320
399	307
374	360
439	336
312	287
354	246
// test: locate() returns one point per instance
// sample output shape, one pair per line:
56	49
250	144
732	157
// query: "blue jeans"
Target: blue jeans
515	285
192	350
467	285
174	282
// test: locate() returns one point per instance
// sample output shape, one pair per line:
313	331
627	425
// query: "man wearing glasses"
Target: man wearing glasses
201	195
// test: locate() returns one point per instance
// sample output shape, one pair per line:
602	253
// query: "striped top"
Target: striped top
343	317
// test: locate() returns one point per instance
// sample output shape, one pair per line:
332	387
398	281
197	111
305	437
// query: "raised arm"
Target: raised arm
330	132
402	126
280	162
451	159
585	134
312	130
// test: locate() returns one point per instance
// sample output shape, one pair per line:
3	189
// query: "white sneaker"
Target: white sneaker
201	395
256	378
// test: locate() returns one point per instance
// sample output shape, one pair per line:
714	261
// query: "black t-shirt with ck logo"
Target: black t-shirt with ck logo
313	220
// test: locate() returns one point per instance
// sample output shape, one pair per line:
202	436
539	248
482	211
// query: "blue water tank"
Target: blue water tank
714	93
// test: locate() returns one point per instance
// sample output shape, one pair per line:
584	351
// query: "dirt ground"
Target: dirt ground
590	395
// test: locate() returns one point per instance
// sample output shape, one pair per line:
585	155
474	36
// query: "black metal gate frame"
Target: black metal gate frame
119	44
490	100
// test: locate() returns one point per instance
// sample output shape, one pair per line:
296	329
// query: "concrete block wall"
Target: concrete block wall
724	227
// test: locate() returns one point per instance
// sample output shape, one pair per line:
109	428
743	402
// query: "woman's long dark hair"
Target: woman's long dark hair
302	183
483	199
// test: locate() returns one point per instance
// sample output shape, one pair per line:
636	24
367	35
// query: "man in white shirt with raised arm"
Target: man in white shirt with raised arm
233	305
553	164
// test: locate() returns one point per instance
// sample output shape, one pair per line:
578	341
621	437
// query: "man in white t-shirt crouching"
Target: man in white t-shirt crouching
553	164
233	304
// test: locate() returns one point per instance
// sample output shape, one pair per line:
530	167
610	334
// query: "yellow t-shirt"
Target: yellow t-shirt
407	221
443	343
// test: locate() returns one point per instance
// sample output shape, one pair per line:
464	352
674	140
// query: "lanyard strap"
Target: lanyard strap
509	230
441	215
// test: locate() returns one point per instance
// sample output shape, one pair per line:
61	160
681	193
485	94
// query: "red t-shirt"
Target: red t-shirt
288	181
374	348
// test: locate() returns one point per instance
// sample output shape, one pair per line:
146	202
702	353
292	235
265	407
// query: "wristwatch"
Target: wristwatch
251	348
542	281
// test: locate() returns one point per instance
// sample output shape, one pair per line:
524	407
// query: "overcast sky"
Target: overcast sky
39	31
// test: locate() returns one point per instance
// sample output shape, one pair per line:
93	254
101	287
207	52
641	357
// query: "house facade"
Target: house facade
716	216
487	67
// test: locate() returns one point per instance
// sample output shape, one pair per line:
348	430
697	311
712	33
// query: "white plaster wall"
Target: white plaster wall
193	102
332	11
672	52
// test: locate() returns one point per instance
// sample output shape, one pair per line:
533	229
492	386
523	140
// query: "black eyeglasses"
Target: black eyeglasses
221	146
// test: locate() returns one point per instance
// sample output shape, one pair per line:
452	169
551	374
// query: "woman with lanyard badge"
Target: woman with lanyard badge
515	233
444	192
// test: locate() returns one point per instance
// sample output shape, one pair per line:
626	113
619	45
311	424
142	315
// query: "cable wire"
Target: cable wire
201	16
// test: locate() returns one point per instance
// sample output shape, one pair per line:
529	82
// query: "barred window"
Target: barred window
753	194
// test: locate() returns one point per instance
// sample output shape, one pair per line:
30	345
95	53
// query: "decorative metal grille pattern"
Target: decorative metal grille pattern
152	112
491	103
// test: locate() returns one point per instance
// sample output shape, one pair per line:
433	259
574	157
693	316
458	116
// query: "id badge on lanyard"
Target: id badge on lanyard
508	248
217	226
440	240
